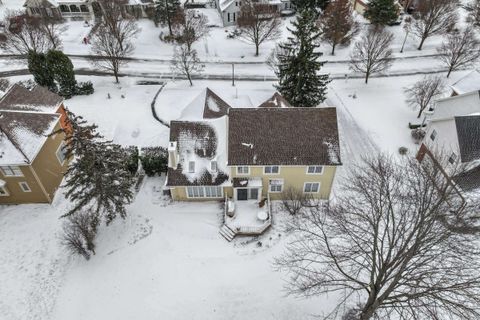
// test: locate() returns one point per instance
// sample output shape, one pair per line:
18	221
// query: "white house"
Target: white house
230	9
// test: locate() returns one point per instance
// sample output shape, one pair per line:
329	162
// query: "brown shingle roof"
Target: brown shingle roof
276	101
38	99
195	140
283	136
215	107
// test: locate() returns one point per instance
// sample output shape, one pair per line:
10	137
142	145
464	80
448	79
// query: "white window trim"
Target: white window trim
7	194
204	192
271	174
315	173
243	174
282	184
305	184
11	175
191	169
56	154
22	184
216	166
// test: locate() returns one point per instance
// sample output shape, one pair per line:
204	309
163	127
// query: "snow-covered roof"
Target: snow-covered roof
224	4
207	105
276	101
38	99
461	105
469	83
22	135
200	142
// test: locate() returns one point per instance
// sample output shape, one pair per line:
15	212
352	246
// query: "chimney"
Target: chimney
172	155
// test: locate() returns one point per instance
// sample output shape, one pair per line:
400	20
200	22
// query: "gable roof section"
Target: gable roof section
468	180
460	105
38	99
22	135
469	83
283	136
276	101
207	105
468	133
201	142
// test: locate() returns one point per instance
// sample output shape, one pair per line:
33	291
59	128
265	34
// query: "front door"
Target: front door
242	194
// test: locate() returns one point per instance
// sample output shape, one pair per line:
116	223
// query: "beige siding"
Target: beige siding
180	194
43	176
293	176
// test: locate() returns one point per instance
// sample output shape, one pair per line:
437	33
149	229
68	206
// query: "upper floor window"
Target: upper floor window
191	166
453	158
311	187
243	170
11	171
315	170
271	170
61	153
213	166
433	135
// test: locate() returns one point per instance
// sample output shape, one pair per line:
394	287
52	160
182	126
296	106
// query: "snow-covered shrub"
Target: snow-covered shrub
132	159
402	150
154	160
418	134
84	88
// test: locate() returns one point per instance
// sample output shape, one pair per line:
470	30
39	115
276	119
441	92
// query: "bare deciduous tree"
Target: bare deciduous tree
24	34
382	243
460	49
474	15
190	27
53	27
337	24
294	200
372	52
433	17
186	62
422	93
121	27
259	22
79	233
109	54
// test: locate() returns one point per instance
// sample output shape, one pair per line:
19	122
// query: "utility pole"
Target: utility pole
233	74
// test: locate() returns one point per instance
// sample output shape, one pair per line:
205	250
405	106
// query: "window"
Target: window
243	170
4	192
315	170
191	166
433	135
10	171
276	185
74	8
83	8
228	16
64	8
452	158
311	187
25	187
213	166
35	10
271	170
61	153
204	192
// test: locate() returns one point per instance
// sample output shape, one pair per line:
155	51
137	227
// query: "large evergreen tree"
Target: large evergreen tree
381	12
299	66
97	180
314	5
165	11
39	68
62	68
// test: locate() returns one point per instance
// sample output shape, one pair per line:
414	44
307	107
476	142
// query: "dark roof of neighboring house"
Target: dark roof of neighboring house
38	99
215	107
276	101
41	4
22	135
468	133
468	180
283	136
196	141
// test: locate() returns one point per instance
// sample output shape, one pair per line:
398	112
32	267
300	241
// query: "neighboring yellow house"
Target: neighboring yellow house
32	160
252	153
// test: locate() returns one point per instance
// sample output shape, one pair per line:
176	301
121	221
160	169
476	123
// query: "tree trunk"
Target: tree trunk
168	18
333	48
367	75
421	43
420	113
404	40
189	78
256	49
115	73
449	71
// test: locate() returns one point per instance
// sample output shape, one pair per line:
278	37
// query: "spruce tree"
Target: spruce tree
381	12
97	180
299	65
62	68
165	11
40	69
314	5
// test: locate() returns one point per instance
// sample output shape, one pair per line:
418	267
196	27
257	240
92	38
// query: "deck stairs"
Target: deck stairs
227	233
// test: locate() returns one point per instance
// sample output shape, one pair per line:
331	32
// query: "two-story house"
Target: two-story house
250	155
32	157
